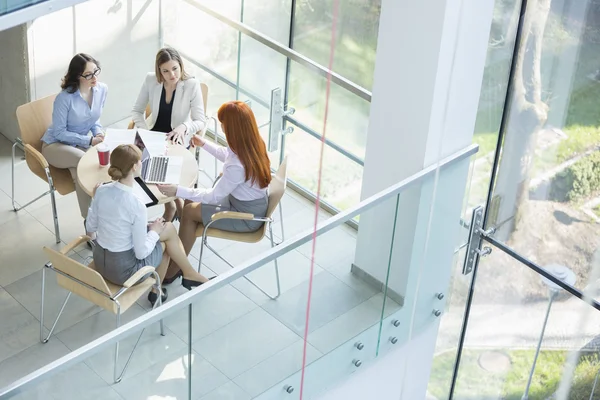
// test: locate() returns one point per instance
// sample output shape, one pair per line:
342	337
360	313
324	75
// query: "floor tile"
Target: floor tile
152	349
330	299
211	313
228	391
351	323
27	291
18	330
294	269
6	209
21	248
342	271
97	325
27	361
331	247
245	342
70	221
76	383
167	379
300	222
28	186
276	368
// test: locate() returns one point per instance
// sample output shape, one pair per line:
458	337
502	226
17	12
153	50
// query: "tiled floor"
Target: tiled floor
243	343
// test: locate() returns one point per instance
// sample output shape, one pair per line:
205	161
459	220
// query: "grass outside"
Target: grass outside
475	383
596	210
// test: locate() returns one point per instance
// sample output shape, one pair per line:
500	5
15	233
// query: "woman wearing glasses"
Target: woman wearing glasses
175	102
75	120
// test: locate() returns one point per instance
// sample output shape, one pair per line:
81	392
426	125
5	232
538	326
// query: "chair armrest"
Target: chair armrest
231	215
29	149
133	279
81	239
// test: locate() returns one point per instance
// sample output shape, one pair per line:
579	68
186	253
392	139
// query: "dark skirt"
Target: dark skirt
117	267
256	207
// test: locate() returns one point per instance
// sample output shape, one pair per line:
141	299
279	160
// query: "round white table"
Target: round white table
90	173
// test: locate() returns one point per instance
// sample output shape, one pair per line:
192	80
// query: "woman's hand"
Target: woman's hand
168	190
177	135
97	139
197	140
158	226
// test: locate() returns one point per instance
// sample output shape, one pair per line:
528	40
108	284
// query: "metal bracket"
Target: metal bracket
277	116
474	243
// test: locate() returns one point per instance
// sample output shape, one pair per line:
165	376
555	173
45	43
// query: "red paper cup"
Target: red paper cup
103	154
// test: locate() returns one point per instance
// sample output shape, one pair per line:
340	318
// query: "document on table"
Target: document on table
115	137
154	142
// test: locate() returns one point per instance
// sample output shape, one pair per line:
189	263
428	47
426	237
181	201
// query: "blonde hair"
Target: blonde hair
122	160
167	54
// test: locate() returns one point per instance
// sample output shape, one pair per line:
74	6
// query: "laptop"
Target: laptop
157	167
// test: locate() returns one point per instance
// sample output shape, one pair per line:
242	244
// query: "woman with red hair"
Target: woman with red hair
241	188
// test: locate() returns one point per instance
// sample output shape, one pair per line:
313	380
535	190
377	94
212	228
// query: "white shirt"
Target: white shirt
120	221
233	182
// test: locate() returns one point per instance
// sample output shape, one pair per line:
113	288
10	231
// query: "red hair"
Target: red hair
244	140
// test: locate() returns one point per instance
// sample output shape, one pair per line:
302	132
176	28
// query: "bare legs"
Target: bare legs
178	255
173	208
191	218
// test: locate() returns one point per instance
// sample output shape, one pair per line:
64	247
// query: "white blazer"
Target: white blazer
188	105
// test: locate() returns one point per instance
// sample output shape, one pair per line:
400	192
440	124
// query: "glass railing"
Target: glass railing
353	297
249	49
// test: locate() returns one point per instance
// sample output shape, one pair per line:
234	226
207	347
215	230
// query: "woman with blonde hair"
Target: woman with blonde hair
125	242
176	105
241	188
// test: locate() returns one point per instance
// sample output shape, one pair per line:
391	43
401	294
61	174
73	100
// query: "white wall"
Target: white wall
123	35
425	98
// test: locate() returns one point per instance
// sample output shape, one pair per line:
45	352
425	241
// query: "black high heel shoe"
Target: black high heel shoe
172	279
189	283
152	297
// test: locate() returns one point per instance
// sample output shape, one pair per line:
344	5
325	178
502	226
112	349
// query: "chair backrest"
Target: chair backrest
81	273
34	118
277	187
204	90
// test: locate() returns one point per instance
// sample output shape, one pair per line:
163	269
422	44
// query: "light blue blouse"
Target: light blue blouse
73	118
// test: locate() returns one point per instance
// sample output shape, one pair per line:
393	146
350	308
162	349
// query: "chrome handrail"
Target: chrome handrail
195	295
286	51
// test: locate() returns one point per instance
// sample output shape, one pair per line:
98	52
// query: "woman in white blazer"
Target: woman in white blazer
176	106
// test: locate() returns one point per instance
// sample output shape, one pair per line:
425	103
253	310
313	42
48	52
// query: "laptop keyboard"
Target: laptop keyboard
158	170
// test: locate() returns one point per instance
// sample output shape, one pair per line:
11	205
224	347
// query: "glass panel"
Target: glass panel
211	43
348	115
258	343
355	37
429	232
490	108
545	201
505	326
7	6
341	177
493	94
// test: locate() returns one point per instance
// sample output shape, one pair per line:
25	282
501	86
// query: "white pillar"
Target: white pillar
428	74
14	80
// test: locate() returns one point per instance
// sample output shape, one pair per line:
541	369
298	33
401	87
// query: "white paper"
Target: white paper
115	137
155	142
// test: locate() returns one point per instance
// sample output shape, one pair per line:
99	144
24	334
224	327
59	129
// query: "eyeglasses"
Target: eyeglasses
91	75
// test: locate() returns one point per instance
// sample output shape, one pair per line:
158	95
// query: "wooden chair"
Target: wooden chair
276	192
34	119
90	285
